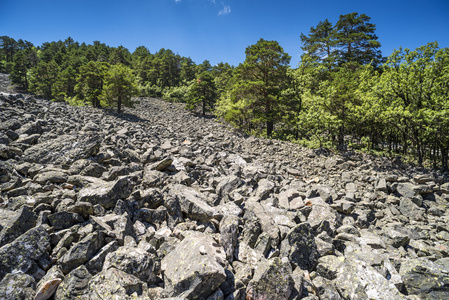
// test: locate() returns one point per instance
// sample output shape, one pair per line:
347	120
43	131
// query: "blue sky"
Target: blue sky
217	30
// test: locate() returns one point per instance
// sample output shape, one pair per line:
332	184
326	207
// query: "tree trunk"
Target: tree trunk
269	128
119	104
204	107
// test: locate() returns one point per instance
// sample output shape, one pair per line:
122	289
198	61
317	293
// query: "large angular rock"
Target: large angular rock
425	279
95	265
115	284
105	193
194	269
116	226
134	261
30	254
271	280
82	252
74	284
64	149
193	203
300	248
24	220
359	281
17	286
229	230
321	211
53	176
64	219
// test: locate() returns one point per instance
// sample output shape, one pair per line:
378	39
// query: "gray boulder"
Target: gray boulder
74	284
64	149
20	222
134	261
17	286
105	193
193	203
300	248
195	268
30	254
82	251
425	279
116	285
272	280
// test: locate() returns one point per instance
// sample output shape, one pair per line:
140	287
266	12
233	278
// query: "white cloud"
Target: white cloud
225	11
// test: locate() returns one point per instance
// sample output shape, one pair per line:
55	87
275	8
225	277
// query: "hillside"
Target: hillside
157	203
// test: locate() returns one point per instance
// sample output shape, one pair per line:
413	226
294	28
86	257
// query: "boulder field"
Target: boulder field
158	203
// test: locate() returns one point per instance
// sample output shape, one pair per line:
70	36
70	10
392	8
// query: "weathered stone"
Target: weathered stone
134	261
195	268
30	254
300	248
264	188
115	284
229	229
64	149
193	203
105	193
95	265
82	251
24	220
116	226
51	177
356	280
271	280
74	284
425	278
64	219
17	286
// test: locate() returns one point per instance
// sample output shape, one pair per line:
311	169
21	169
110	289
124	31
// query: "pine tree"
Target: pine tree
260	81
203	92
119	86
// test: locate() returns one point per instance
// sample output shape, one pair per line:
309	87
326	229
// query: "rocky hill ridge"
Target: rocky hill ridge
157	203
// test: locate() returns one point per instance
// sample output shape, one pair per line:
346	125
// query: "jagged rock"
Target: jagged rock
356	280
149	178
134	261
193	203
74	284
64	219
64	149
228	184
325	289
300	248
149	198
51	176
194	269
264	187
82	252
271	280
30	254
95	265
115	284
17	286
116	226
321	211
229	229
105	193
424	278
24	220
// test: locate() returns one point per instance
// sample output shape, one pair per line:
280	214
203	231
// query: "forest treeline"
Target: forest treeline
343	93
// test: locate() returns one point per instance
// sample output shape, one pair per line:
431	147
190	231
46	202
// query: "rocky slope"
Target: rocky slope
157	203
